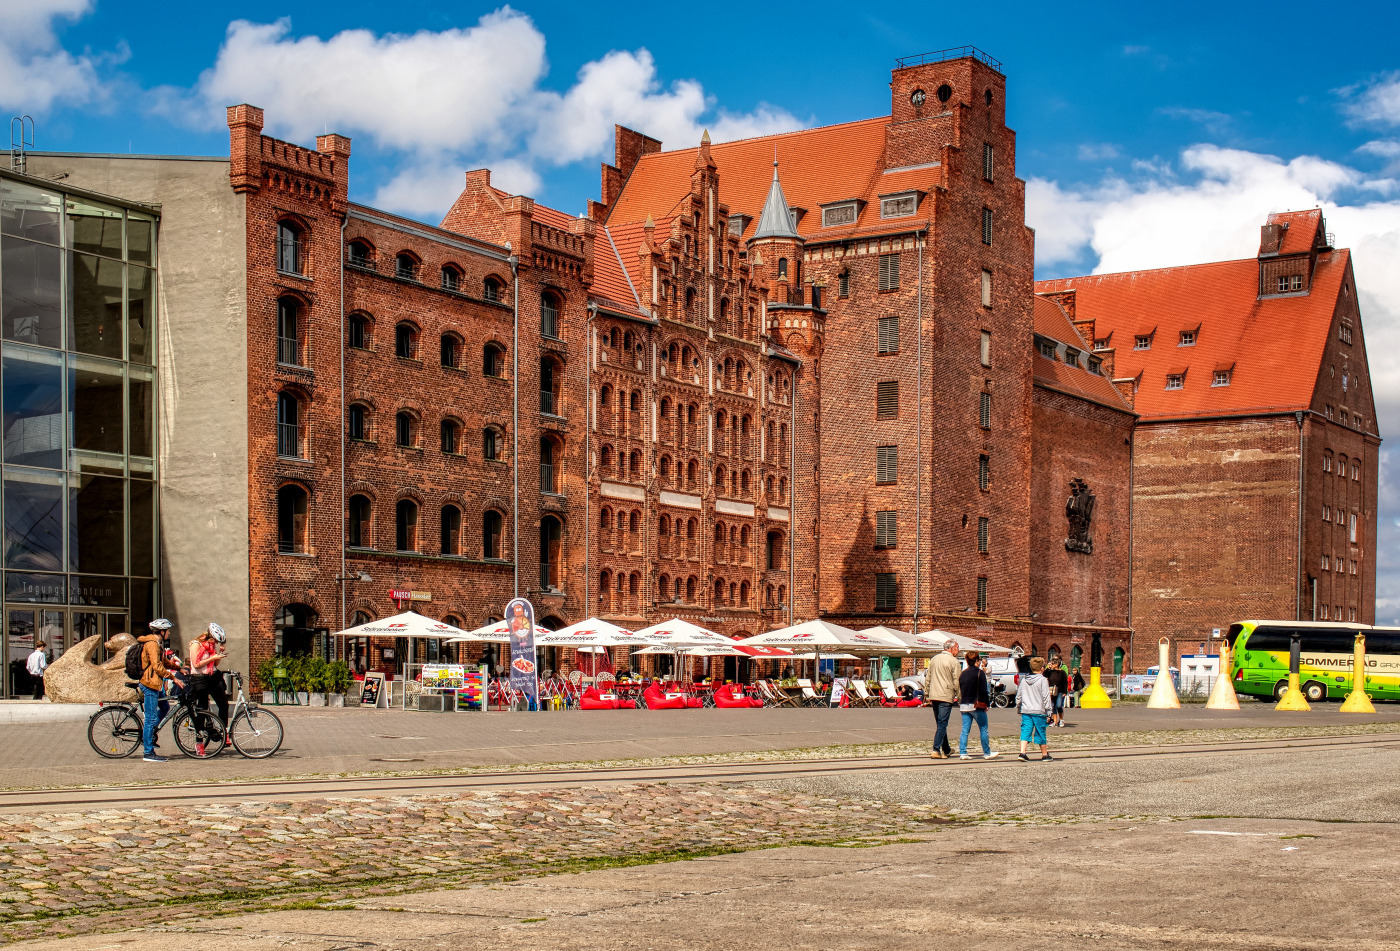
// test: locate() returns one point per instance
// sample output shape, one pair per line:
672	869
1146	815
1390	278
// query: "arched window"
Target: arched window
405	430
291	246
288	426
451	350
492	444
549	386
357	422
492	529
549	315
293	626
291	518
720	480
358	331
663	588
406	525
289	331
724	315
743	594
604	591
663	470
744	481
549	465
492	290
690	302
451	277
357	532
775	550
551	537
493	361
719	592
605	460
406	341
782	269
634	469
406	266
692	474
450	530
360	254
690	590
451	436
605	410
677	588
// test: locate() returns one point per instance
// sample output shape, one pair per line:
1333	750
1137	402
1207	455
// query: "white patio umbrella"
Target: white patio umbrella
966	642
678	631
821	634
717	650
593	636
408	624
497	632
837	656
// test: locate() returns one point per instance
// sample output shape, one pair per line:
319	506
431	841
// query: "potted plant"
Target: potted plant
266	671
315	674
298	669
338	680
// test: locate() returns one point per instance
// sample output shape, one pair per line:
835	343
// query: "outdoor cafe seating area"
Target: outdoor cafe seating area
790	667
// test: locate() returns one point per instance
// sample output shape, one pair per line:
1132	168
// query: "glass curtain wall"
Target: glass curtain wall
78	394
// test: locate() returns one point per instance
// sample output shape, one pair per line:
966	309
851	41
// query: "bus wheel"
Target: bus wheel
1315	692
1280	689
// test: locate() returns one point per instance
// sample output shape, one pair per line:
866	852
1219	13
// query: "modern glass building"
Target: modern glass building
78	287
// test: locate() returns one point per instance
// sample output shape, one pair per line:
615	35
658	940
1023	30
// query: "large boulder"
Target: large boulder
74	678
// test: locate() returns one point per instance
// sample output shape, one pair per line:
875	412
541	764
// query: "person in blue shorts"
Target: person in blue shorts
1033	697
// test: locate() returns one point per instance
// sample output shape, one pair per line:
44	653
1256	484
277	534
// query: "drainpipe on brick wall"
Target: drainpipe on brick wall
792	507
1132	633
1298	580
587	450
343	512
919	441
514	262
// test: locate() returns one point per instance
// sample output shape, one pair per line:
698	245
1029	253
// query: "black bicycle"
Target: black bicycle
114	731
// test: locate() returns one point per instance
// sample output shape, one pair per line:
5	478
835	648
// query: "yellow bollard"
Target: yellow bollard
1293	698
1094	697
1358	701
1222	695
1163	691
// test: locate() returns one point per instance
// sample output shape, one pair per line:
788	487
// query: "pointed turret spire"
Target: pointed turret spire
775	220
703	159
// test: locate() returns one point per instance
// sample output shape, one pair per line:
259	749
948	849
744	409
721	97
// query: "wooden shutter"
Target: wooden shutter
986	226
885	530
889	272
982	533
985	410
886	463
887	399
887	335
885	591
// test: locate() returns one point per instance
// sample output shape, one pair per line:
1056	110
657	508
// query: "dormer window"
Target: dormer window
1289	283
1096	366
843	213
1221	378
1072	356
1047	349
899	206
738	222
1188	338
1176	381
1142	342
1101	343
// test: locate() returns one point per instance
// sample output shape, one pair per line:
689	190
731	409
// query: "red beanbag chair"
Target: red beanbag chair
730	696
655	699
594	699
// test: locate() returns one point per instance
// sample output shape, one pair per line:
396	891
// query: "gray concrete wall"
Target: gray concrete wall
203	333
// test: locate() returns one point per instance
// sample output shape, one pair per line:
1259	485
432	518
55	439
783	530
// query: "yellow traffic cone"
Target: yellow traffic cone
1094	697
1163	691
1293	699
1357	701
1222	695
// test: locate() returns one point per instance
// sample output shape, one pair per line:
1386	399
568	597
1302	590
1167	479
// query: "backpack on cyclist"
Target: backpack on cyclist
135	667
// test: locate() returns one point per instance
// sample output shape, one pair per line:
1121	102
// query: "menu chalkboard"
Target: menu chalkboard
369	692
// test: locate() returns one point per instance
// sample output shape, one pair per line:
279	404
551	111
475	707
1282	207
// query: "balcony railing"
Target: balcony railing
289	351
549	402
288	440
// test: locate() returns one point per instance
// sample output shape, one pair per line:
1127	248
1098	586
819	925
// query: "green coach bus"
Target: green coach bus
1259	665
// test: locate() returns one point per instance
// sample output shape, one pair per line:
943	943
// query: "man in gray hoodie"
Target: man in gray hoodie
1033	697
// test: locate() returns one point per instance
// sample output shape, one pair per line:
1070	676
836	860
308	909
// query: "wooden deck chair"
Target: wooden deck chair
889	696
860	695
809	696
777	696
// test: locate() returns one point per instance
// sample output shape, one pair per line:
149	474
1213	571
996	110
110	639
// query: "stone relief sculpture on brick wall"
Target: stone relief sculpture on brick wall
1079	509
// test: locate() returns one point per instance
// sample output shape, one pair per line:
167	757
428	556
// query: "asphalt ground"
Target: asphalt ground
321	741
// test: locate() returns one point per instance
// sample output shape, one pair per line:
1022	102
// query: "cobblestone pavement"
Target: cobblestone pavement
70	874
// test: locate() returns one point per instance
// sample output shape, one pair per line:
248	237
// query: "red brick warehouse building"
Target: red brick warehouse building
793	376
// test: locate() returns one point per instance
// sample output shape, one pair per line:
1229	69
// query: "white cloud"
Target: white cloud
35	71
1209	208
454	99
1376	102
1098	151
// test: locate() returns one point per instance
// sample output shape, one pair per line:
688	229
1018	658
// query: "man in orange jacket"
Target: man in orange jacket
154	673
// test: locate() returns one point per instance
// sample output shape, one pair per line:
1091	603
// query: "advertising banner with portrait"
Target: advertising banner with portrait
524	677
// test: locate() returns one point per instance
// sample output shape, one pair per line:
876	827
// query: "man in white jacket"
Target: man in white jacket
1033	697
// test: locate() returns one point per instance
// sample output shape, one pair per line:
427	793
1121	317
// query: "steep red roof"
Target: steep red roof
1275	344
1300	229
1051	321
816	167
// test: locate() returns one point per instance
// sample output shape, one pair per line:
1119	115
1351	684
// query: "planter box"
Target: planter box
433	703
267	696
316	699
303	698
335	699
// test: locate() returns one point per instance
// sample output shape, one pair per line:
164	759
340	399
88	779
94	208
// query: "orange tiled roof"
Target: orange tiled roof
553	217
1275	344
816	166
1051	321
1301	231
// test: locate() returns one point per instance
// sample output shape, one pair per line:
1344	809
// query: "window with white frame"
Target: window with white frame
898	206
1220	378
842	214
1176	381
1142	342
1188	338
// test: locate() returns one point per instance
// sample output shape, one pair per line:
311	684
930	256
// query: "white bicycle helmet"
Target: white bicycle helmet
160	624
217	633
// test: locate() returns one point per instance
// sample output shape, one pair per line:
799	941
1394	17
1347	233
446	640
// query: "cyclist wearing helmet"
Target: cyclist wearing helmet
154	673
205	654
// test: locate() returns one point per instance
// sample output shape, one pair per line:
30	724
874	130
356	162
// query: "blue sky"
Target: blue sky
1148	136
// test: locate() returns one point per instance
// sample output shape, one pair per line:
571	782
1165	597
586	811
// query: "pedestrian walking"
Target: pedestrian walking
1059	692
1076	687
36	664
154	673
941	687
974	697
1033	699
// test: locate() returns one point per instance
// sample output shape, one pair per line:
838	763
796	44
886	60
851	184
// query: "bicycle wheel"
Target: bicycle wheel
256	732
114	732
193	728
